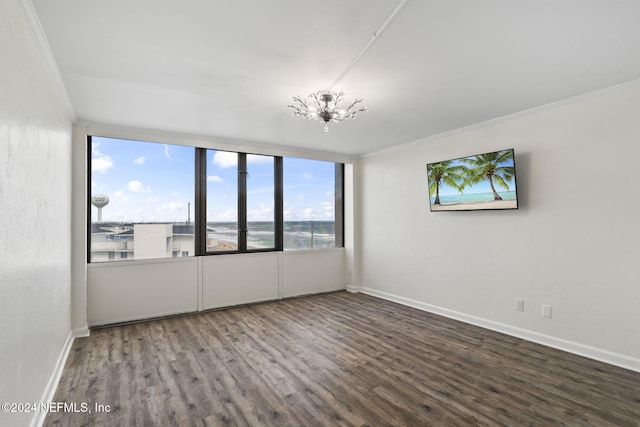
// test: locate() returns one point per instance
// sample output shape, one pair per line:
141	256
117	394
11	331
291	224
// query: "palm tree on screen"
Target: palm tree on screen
445	173
495	167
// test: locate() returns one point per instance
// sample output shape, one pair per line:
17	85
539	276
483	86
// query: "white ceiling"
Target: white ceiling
227	68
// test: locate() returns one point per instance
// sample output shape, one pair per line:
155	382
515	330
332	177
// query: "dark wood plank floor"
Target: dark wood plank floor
334	359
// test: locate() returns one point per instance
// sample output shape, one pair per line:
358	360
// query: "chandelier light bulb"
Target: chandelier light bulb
326	106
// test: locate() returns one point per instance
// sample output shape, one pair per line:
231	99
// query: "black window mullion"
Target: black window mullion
242	202
89	177
339	205
200	227
278	204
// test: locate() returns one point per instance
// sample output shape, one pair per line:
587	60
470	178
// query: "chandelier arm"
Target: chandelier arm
298	111
315	97
361	110
337	99
357	101
303	103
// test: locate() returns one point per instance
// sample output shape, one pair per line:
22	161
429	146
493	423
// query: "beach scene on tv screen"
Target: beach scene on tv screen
483	181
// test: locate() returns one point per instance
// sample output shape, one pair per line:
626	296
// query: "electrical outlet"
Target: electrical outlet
519	304
546	311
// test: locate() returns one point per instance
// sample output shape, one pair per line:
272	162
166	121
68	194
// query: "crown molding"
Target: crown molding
40	39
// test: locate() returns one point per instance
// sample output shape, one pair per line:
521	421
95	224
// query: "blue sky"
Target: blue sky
150	182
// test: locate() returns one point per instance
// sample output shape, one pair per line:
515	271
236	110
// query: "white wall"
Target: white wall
35	218
573	243
239	279
133	290
312	272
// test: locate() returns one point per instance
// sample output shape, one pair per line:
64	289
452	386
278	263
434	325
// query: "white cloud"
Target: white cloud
170	208
151	199
214	178
307	176
254	159
329	210
137	187
140	214
173	211
101	164
264	212
225	159
230	215
139	160
119	195
166	151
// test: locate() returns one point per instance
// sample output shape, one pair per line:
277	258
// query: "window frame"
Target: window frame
200	202
242	220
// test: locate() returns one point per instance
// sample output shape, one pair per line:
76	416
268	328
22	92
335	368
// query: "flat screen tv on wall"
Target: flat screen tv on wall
479	182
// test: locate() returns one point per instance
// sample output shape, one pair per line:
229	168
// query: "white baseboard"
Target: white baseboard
313	292
52	385
81	332
601	355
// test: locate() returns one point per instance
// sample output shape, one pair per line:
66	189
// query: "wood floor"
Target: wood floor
334	359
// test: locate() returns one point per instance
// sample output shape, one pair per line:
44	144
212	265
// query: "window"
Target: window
312	212
260	202
153	200
222	201
242	203
141	194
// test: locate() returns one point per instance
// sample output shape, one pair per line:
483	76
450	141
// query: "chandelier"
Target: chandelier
325	105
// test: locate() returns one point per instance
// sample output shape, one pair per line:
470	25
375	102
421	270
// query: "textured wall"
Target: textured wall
35	203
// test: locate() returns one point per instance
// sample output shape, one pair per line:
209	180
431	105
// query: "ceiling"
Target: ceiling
227	69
